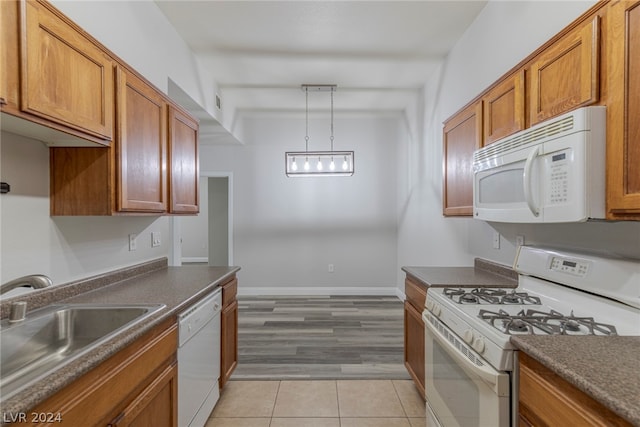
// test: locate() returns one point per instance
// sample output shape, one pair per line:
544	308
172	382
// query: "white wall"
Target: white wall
503	34
288	230
64	248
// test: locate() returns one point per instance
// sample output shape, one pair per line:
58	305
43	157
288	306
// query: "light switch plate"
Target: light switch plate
132	242
496	240
155	239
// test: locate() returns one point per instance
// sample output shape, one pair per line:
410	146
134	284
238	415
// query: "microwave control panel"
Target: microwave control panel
559	177
569	266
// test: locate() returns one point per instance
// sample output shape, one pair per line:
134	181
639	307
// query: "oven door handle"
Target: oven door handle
498	381
527	180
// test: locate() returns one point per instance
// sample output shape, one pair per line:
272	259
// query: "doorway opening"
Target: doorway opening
208	237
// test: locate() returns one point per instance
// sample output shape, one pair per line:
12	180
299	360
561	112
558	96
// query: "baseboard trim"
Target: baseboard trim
401	295
317	290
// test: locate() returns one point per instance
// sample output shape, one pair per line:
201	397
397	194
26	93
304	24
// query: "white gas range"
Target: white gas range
471	365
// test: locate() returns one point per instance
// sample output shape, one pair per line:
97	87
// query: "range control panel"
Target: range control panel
570	266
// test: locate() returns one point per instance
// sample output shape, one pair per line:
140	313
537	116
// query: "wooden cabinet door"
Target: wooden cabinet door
229	338
462	136
545	399
141	146
156	406
183	161
623	111
65	77
414	345
503	108
566	75
9	54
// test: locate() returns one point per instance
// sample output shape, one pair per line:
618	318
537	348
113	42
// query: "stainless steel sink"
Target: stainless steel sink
55	335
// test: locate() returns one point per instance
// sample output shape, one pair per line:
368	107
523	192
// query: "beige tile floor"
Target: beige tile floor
319	403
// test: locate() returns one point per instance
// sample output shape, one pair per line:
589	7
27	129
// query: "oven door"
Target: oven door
461	388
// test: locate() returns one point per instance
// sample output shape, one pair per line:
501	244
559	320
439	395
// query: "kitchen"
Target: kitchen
398	208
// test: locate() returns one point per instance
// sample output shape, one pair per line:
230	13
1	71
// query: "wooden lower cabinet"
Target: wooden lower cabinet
545	399
135	387
414	333
155	406
229	332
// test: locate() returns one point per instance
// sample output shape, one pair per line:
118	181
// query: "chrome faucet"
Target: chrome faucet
36	281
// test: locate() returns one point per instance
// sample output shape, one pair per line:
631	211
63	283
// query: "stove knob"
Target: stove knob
468	336
478	345
429	305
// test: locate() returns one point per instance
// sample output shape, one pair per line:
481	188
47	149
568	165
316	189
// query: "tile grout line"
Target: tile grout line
338	404
273	409
401	403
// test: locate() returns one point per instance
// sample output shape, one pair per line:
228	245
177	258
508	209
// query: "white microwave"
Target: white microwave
550	173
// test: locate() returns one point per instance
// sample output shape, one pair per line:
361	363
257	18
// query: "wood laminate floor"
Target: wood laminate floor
335	337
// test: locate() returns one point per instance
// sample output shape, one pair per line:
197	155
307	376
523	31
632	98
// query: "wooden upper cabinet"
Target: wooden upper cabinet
65	77
462	136
623	111
183	161
9	54
141	146
566	75
503	108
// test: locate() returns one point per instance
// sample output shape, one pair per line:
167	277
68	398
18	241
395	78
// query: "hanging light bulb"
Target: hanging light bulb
319	165
306	164
294	165
332	165
345	165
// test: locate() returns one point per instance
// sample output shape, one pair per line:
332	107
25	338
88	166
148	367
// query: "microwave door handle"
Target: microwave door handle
527	181
498	381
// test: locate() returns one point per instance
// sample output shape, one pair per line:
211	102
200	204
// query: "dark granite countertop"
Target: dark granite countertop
605	368
175	287
484	273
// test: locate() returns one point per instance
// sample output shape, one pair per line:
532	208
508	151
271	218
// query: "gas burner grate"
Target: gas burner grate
486	296
535	322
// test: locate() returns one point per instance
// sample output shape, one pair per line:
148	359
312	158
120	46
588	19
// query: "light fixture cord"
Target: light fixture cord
306	138
331	138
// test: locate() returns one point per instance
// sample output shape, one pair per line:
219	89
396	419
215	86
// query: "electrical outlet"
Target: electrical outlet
155	239
132	242
496	240
330	268
519	241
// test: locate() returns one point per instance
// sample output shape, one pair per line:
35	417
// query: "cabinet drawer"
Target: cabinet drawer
416	293
229	292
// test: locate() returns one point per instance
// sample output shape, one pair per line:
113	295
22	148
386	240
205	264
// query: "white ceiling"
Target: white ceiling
379	53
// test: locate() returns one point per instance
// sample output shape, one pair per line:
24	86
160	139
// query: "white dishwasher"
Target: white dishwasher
199	361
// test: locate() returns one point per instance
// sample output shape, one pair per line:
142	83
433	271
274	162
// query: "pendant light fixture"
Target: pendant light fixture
318	163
